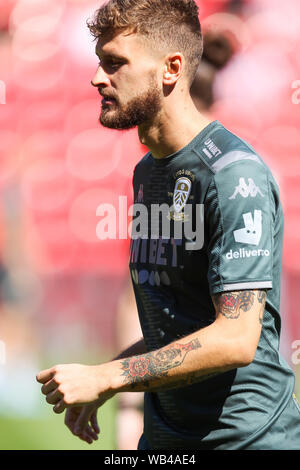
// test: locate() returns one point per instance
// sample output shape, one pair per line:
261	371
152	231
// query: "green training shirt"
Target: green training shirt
223	181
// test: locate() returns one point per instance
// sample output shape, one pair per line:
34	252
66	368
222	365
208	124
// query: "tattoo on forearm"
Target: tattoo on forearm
231	304
191	379
156	364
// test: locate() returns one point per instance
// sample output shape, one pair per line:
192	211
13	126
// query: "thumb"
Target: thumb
94	422
82	420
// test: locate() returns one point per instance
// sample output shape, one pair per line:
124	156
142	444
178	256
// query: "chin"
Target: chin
109	124
115	123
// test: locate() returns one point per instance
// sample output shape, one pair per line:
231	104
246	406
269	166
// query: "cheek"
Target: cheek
126	90
124	84
130	83
132	79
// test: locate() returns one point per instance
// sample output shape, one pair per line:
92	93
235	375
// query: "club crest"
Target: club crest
181	193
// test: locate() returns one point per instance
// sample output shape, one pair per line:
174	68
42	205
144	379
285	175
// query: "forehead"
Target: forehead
124	44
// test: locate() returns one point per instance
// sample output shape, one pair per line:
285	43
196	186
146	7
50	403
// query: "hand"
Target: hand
71	385
82	422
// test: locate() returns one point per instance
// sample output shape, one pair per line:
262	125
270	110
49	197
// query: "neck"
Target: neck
174	127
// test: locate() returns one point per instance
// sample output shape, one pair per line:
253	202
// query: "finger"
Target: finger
49	387
82	425
45	375
91	433
59	407
53	397
71	417
94	422
85	437
82	421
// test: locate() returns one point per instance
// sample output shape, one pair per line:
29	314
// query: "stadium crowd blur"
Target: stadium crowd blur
63	291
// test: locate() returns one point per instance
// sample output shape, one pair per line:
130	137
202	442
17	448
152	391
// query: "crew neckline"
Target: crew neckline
196	140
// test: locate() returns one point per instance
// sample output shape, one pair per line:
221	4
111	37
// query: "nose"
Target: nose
100	78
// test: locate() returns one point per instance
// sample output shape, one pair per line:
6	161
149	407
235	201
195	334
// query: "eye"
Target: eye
115	65
110	64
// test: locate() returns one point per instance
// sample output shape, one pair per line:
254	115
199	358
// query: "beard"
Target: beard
138	110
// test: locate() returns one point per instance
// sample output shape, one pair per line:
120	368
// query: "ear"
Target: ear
173	68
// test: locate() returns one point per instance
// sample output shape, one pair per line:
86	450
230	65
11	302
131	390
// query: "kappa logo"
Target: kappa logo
181	193
245	190
251	233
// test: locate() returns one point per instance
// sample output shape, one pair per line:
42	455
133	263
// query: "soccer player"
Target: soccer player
208	301
217	52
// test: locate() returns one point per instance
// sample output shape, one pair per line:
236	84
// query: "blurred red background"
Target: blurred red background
57	164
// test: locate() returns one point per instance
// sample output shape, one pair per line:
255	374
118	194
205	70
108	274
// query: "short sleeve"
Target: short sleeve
239	219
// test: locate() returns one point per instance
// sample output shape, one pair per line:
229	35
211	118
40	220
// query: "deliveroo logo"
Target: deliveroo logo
251	233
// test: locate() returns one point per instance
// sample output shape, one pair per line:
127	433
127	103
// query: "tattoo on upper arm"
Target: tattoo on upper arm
232	304
261	297
156	364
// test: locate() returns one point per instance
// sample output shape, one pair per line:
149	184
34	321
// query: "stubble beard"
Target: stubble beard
143	108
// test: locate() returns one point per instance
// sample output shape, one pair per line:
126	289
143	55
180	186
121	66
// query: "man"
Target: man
208	360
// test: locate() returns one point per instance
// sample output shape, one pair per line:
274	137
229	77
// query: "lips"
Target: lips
108	101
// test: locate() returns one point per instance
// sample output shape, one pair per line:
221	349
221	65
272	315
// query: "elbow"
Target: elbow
244	360
243	354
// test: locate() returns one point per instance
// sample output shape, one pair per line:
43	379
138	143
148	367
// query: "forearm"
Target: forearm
189	360
228	343
136	349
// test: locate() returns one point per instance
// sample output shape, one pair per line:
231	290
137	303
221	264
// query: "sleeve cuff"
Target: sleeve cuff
243	286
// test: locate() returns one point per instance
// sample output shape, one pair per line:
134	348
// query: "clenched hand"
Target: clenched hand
73	385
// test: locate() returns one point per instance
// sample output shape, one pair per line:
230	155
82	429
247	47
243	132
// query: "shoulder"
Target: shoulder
229	158
145	162
142	169
222	148
238	174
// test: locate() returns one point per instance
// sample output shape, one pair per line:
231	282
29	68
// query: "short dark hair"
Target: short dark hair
163	24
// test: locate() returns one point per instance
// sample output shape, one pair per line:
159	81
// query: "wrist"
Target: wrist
111	374
117	382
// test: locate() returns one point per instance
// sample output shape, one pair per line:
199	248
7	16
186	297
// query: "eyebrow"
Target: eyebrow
105	55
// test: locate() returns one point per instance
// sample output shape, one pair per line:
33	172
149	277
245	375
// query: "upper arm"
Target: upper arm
240	228
240	232
240	314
